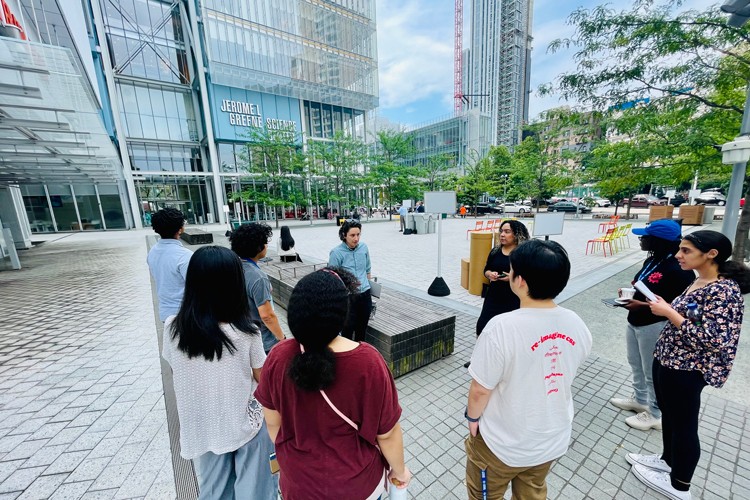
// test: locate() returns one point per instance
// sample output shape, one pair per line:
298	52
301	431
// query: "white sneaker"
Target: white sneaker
629	404
651	461
644	421
659	481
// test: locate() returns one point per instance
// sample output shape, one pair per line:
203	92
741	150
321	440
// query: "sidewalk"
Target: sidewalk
82	410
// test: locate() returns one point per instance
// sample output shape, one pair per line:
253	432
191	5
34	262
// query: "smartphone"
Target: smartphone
273	463
502	274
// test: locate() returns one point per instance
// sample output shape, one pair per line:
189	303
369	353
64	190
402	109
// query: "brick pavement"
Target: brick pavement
81	406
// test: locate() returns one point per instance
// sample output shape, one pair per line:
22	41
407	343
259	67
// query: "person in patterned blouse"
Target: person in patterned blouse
693	352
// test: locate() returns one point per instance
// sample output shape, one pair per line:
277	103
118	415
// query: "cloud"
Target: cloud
415	51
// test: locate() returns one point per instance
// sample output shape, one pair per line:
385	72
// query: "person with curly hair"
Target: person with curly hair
168	260
216	354
330	402
354	256
250	243
499	298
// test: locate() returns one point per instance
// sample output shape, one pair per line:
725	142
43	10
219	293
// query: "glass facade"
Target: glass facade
323	120
152	157
150	112
323	51
188	194
77	207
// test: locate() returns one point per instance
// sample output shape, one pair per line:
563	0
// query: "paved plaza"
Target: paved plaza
82	411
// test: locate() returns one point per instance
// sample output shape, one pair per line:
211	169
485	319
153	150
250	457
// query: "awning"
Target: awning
50	127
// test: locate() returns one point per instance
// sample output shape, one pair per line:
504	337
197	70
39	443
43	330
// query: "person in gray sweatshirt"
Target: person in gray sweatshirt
354	256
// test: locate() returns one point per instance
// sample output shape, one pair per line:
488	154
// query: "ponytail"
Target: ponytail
316	314
313	370
738	272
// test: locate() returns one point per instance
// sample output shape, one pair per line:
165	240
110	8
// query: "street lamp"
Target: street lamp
505	187
737	151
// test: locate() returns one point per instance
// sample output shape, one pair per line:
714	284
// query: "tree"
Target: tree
434	170
688	64
476	180
275	158
339	160
392	149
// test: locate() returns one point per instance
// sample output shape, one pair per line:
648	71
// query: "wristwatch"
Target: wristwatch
466	414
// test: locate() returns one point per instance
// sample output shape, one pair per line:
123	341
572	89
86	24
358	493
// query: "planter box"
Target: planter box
691	215
658	212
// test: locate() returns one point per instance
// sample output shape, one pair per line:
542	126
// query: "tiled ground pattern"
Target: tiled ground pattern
82	416
81	406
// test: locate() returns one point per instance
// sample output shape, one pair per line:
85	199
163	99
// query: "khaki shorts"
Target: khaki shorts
527	483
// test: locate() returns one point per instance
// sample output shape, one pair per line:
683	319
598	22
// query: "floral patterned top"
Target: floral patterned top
708	345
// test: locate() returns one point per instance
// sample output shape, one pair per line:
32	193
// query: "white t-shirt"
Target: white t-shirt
528	358
215	402
282	252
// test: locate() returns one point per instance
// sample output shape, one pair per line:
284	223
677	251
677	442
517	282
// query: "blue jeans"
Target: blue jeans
640	342
243	473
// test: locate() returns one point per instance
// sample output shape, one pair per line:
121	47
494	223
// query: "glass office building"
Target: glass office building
188	87
179	88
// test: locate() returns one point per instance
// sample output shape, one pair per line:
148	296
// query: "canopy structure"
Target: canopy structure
50	127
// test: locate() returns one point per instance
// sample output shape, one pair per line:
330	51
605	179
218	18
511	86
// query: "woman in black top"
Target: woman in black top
662	274
499	298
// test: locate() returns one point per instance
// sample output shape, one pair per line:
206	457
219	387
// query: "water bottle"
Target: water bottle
395	493
693	313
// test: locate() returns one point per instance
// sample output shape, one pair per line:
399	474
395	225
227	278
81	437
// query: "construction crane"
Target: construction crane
458	95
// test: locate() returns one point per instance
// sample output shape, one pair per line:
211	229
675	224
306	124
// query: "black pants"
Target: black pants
678	393
360	306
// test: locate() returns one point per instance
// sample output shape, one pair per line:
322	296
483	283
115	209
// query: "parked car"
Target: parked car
514	208
676	200
643	200
485	208
711	198
602	202
568	206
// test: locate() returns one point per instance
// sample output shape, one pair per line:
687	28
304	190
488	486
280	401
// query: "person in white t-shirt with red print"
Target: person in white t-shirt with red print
520	407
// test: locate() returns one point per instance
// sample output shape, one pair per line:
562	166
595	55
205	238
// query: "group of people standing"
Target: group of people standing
677	343
325	404
322	405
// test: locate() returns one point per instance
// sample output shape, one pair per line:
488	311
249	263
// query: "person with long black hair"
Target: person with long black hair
285	246
329	401
216	354
696	348
662	274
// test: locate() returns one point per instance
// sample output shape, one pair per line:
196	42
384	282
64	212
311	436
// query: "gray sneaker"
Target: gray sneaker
651	461
644	421
629	404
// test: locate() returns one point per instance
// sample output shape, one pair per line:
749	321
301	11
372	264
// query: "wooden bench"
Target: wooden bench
408	332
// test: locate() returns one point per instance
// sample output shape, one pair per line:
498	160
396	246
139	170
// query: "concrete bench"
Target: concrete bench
193	236
408	332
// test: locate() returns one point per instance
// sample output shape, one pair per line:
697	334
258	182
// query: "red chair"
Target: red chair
611	223
602	240
477	227
490	225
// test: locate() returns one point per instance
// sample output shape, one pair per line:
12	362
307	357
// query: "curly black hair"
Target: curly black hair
346	226
317	311
167	222
249	239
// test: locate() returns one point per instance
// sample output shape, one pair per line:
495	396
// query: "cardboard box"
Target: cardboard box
660	212
465	273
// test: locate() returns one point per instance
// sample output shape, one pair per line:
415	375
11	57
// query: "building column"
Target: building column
135	219
197	39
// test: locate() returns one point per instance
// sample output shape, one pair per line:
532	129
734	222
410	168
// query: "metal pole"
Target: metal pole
440	246
731	211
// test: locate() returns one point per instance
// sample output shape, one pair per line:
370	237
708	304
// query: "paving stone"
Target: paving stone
66	462
71	491
20	479
89	468
43	487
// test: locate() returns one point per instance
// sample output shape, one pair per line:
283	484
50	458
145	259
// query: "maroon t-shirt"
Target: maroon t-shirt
320	455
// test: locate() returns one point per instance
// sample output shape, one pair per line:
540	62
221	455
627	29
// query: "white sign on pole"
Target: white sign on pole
548	224
440	202
226	208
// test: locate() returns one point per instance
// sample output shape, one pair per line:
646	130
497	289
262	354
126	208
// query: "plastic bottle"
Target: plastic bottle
693	313
395	493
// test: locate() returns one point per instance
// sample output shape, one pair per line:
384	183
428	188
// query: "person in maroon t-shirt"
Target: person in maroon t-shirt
330	450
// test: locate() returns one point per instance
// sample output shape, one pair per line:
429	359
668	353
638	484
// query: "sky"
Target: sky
415	54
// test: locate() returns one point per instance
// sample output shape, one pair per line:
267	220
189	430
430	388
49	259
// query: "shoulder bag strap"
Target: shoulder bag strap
333	406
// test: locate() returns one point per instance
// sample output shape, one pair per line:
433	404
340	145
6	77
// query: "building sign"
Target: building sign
9	25
238	112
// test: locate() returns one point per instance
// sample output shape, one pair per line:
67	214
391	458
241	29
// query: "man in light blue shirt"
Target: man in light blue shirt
402	211
168	260
354	256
